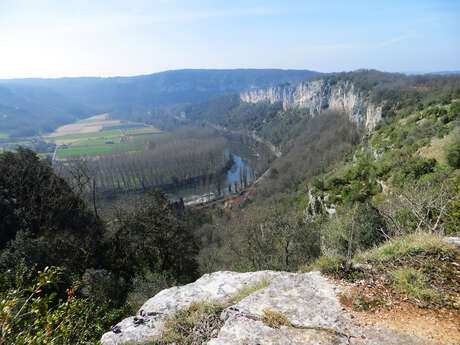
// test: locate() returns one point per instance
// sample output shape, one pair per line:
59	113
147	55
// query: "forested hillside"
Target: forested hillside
401	178
66	274
70	271
36	106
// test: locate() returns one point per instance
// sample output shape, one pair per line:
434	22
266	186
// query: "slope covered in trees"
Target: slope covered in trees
68	275
334	193
337	192
36	106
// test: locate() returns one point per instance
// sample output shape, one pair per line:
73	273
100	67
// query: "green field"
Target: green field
149	129
93	143
108	141
102	134
91	150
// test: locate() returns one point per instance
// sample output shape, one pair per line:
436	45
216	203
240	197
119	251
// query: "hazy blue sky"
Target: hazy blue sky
44	38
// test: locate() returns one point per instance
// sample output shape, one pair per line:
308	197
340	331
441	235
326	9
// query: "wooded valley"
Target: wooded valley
73	267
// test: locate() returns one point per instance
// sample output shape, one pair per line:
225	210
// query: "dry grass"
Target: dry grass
414	285
401	247
249	290
275	319
200	322
194	325
411	285
435	149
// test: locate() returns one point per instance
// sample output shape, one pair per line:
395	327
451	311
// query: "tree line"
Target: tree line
190	158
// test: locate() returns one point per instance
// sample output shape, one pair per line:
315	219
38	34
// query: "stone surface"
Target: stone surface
317	95
308	300
453	240
217	286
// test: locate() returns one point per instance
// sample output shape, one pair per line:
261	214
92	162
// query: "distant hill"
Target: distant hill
436	73
25	101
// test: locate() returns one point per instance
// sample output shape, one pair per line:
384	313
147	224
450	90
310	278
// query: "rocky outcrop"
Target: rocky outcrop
318	95
308	300
217	286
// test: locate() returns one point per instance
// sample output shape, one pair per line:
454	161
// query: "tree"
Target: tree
152	237
419	205
36	204
453	154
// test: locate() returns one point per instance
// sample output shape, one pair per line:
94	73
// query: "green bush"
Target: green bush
103	287
403	247
147	285
413	283
452	153
334	182
334	265
32	312
417	167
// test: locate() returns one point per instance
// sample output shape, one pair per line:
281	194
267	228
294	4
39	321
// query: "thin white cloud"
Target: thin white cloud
395	40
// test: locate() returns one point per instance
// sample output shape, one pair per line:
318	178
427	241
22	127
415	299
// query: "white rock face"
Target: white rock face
318	95
308	300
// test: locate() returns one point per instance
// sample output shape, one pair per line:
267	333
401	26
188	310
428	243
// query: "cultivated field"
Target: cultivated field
98	135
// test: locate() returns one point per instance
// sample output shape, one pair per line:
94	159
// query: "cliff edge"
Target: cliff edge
319	95
287	308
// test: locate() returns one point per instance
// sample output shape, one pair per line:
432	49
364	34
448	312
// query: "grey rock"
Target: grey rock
218	286
453	240
318	95
308	300
241	331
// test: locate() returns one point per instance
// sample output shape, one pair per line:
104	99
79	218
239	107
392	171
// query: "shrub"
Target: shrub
194	325
32	313
334	182
452	153
352	229
412	283
335	265
147	285
402	247
418	167
103	287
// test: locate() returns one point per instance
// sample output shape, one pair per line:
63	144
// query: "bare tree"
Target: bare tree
423	203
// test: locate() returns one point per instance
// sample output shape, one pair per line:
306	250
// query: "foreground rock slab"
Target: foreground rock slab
218	286
308	300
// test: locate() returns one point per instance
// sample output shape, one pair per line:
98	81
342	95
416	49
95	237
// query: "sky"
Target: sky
49	38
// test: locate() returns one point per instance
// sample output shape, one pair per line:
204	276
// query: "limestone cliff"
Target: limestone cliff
308	300
318	95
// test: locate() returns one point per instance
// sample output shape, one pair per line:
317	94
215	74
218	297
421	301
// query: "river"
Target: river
240	170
